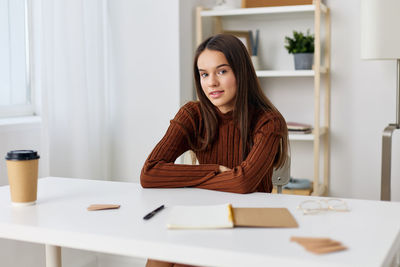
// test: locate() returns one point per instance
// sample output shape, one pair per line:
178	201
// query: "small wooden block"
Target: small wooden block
318	245
308	240
103	207
329	249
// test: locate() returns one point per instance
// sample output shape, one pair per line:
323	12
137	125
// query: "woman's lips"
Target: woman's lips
216	94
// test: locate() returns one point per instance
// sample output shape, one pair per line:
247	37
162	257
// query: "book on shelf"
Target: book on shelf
226	216
298	183
297	186
299	128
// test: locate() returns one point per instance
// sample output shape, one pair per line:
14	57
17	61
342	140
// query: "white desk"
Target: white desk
60	219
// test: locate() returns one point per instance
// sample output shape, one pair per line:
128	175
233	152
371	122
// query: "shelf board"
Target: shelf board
285	73
288	73
258	11
306	137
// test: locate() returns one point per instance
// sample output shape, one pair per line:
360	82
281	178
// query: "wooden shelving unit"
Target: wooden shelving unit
321	133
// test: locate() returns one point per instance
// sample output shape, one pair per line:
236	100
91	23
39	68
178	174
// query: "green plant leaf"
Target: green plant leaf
300	43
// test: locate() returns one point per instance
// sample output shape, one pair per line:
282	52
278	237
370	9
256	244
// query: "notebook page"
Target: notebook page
200	217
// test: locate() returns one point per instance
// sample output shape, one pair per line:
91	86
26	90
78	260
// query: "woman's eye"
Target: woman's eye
203	75
222	71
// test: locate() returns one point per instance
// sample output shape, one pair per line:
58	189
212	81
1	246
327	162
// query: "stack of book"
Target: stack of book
297	186
299	128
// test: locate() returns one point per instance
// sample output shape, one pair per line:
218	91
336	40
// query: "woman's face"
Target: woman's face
217	79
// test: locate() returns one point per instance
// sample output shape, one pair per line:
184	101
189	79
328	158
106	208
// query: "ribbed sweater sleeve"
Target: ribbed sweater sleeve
251	175
160	170
257	166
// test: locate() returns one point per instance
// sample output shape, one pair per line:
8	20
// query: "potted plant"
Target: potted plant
302	47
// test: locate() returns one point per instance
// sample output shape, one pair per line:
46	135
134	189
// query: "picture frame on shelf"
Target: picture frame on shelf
243	36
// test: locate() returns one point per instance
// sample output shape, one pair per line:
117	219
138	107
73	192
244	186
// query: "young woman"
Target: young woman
238	136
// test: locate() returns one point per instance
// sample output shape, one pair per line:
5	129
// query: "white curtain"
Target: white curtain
72	65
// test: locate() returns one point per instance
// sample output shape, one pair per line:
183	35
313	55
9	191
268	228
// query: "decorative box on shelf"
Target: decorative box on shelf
267	3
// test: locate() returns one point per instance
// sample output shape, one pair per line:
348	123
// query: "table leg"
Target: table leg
53	256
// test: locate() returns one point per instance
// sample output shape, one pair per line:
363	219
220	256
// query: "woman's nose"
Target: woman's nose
213	80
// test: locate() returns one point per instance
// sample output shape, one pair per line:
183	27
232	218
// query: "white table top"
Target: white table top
371	230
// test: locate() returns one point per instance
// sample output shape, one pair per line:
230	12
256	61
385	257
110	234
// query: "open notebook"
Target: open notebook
225	216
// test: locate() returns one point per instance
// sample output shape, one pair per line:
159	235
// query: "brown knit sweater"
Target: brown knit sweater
251	175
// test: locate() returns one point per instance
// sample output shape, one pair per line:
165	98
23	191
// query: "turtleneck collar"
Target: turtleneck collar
224	116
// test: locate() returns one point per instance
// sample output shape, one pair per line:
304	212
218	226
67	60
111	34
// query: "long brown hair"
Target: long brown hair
249	93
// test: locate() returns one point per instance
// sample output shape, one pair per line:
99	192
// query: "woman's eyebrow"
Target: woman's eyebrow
219	66
223	65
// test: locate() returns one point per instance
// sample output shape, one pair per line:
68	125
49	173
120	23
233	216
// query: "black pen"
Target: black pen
151	214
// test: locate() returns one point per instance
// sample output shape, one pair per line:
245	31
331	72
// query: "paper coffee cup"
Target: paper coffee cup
22	169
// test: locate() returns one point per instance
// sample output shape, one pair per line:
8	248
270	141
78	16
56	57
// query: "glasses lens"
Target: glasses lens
337	205
310	206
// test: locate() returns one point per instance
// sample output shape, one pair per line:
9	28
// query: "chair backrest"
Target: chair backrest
281	176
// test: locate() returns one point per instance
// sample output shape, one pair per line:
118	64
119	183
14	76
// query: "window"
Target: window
16	95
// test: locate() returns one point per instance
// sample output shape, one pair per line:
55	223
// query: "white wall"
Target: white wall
144	66
363	103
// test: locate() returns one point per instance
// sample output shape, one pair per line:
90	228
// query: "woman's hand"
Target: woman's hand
223	169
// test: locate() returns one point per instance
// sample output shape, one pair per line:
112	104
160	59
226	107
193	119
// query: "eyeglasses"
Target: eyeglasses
316	206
